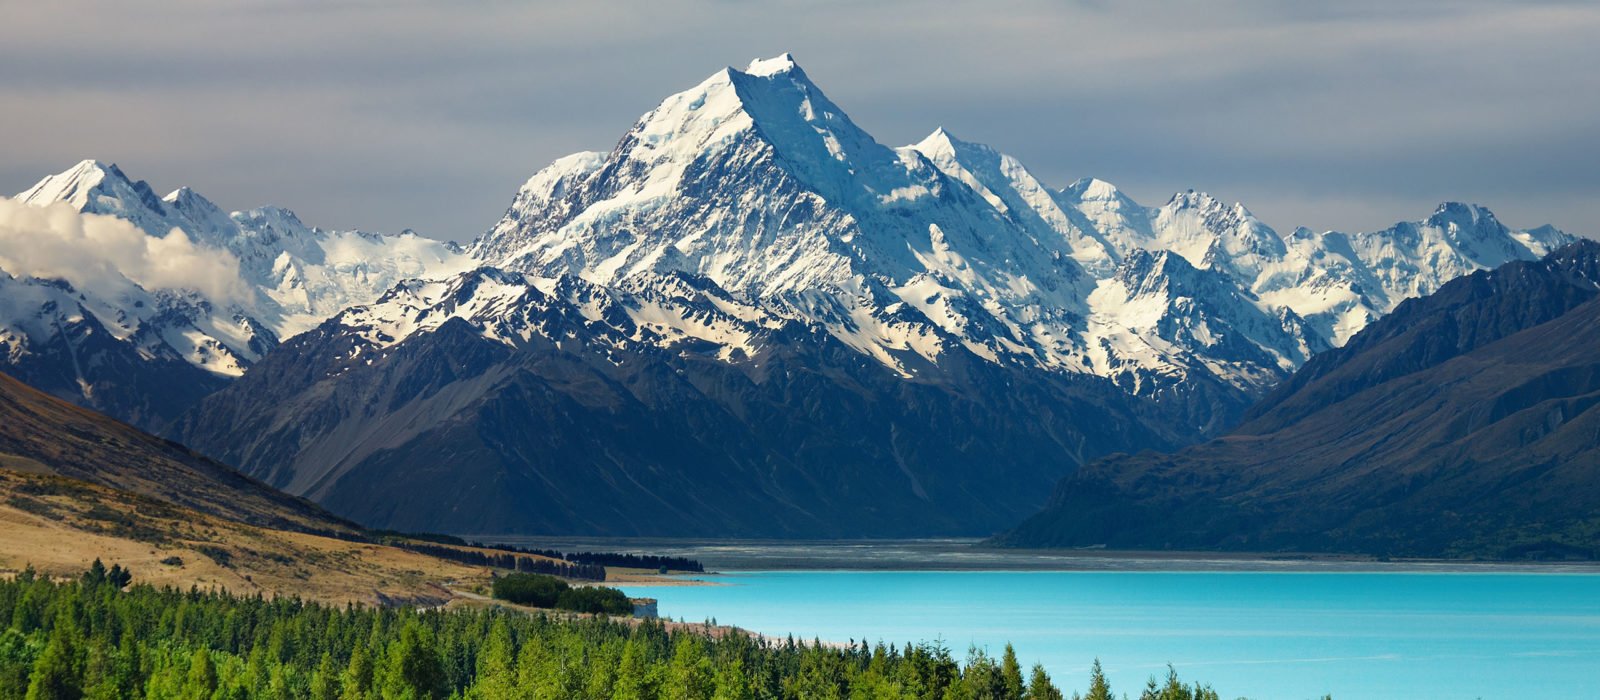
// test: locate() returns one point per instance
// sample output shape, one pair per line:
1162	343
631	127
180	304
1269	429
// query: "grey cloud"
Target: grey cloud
386	115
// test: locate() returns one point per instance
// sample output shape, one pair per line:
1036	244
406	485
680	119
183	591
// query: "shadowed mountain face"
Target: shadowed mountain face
529	416
1464	423
42	434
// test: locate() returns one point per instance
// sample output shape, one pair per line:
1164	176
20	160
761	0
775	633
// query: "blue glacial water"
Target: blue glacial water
1259	635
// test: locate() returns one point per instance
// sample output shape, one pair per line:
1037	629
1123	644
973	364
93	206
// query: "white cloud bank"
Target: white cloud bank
98	254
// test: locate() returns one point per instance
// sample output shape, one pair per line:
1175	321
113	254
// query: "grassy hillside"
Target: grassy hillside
76	486
45	435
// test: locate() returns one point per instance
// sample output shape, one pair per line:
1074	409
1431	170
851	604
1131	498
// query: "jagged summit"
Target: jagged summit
105	347
1462	214
765	67
757	182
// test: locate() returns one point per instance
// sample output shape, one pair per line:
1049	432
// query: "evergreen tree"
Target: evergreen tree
96	575
57	674
414	669
497	666
1011	674
325	680
202	679
118	577
1099	688
1040	687
356	682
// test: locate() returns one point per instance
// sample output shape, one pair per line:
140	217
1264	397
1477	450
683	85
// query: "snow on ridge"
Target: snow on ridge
287	276
751	201
756	181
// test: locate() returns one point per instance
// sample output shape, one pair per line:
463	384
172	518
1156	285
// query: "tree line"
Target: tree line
625	561
506	560
630	561
550	592
90	638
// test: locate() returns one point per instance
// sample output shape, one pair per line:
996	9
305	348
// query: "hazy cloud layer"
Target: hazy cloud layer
98	253
391	114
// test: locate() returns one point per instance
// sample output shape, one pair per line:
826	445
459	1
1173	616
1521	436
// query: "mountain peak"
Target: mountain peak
942	141
765	67
74	184
1191	199
95	187
1461	214
1094	189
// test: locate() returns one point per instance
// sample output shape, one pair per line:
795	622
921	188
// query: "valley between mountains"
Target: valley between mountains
751	319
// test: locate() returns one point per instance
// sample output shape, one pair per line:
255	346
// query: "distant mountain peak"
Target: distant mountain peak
942	141
1094	189
95	187
765	67
1462	214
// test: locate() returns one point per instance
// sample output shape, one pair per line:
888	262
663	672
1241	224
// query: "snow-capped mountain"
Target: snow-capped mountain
303	274
757	182
285	277
748	294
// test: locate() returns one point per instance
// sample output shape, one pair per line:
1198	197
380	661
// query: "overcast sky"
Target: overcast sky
389	114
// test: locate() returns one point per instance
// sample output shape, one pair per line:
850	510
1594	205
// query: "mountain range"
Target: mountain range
145	354
748	317
1466	423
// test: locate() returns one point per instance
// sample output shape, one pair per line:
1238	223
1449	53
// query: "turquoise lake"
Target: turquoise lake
1259	635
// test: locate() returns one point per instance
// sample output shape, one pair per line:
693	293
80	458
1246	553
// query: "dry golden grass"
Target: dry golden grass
59	526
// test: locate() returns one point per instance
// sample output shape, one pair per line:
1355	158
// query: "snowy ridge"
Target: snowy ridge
298	275
751	203
672	312
757	182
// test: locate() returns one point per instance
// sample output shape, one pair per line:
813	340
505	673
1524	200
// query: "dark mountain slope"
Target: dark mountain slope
43	434
1464	424
584	426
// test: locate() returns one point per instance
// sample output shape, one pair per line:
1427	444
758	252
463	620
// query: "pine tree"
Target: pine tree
56	675
325	680
202	679
1040	687
414	669
1011	674
497	665
96	575
1099	688
118	577
356	682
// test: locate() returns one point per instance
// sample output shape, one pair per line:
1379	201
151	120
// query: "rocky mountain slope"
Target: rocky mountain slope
1477	435
499	403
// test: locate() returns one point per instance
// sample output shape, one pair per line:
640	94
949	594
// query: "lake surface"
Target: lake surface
1261	634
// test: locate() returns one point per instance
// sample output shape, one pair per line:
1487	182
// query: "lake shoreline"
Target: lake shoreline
956	555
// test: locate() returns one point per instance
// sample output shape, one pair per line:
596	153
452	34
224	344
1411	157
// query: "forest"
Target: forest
104	637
